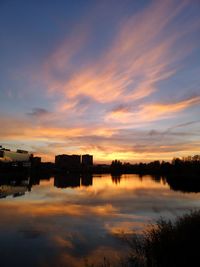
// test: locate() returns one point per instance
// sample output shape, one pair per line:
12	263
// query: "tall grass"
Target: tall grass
168	244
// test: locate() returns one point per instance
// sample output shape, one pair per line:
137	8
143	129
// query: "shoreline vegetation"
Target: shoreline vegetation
183	167
180	174
167	243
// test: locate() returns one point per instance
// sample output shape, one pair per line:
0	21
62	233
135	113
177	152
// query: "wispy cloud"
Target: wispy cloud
128	71
38	112
111	99
140	55
150	112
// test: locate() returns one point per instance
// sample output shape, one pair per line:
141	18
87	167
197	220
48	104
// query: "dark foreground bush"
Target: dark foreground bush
168	244
165	244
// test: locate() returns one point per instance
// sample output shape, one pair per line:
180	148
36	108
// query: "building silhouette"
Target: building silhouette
35	161
68	162
19	157
87	160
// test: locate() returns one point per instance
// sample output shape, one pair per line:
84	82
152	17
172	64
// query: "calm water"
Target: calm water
63	221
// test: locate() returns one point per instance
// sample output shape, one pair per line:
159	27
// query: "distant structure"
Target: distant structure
68	162
35	161
87	160
19	157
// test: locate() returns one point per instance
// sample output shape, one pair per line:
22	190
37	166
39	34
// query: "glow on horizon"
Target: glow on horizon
116	80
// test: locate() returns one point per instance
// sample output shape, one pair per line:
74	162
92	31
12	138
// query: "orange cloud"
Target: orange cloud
151	112
111	143
20	128
146	49
59	208
139	56
158	111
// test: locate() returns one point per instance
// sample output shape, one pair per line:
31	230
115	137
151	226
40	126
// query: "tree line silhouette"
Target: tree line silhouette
187	165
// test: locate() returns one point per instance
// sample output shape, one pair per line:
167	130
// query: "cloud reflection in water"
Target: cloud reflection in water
57	226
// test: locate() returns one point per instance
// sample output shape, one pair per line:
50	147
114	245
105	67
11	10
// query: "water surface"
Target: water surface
64	220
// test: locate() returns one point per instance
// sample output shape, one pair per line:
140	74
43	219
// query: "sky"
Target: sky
116	79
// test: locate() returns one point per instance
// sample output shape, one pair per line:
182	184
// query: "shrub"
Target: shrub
168	244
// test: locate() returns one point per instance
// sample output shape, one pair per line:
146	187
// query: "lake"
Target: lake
68	220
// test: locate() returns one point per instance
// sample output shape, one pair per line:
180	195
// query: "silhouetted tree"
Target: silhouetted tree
116	166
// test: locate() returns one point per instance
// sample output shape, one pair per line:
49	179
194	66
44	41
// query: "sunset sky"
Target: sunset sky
119	79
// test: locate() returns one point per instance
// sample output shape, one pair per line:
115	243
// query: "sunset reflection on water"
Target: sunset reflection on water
63	223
